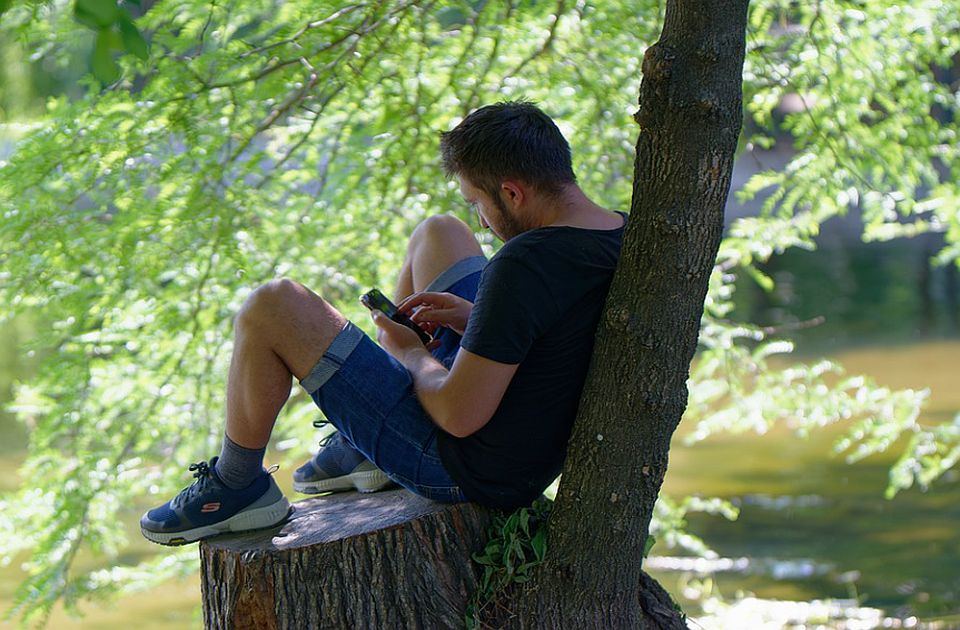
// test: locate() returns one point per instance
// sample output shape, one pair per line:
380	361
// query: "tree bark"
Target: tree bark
690	118
386	560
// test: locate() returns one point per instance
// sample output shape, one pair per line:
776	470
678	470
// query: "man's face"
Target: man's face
492	211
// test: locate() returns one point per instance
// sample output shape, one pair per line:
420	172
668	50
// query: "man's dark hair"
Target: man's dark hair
508	140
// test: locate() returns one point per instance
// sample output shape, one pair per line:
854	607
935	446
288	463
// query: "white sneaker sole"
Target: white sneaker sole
366	481
251	519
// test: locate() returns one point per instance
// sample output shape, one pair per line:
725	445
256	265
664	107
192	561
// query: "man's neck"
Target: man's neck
574	209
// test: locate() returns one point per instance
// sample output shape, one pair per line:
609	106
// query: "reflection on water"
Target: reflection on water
775	568
866	292
781	502
758	614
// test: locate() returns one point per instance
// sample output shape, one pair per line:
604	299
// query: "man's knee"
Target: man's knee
270	300
440	228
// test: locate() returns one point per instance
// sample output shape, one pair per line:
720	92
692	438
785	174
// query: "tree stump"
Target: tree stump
384	560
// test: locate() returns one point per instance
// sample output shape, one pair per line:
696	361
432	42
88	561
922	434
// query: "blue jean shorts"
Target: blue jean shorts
368	395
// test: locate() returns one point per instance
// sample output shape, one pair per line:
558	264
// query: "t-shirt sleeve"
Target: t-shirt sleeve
513	307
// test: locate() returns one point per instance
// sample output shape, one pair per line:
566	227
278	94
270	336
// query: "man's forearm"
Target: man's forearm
429	376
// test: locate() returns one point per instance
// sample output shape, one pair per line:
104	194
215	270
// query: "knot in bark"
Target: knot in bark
709	106
622	319
658	62
674	221
709	50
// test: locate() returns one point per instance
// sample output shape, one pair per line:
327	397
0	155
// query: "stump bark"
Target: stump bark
385	560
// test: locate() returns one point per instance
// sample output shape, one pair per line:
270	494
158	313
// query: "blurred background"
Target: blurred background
149	178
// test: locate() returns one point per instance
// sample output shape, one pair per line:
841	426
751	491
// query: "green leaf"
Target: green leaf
648	545
764	281
4	5
105	68
539	544
246	29
96	14
133	40
450	18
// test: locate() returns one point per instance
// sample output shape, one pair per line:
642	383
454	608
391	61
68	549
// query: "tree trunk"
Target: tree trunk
690	118
386	560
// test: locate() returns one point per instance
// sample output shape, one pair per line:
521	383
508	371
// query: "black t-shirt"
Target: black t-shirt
538	305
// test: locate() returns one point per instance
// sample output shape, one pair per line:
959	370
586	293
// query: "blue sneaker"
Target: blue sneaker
338	466
209	507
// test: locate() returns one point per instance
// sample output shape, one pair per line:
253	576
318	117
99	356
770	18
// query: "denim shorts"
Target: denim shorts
368	395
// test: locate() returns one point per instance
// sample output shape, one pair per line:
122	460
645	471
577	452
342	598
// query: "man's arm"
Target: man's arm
460	401
464	399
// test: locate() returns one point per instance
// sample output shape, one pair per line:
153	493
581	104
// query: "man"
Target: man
485	411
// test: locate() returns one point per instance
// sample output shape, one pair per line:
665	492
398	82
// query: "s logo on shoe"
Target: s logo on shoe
210	507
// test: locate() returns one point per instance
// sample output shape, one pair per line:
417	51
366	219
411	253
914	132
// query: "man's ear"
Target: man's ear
514	193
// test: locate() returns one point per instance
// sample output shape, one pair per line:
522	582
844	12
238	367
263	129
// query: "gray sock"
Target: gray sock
238	466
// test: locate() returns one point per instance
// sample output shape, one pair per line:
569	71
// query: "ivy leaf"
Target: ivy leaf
105	68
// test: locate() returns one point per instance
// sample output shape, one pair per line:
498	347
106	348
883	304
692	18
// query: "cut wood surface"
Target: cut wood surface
383	560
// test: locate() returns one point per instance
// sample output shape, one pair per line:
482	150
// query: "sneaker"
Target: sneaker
209	507
338	466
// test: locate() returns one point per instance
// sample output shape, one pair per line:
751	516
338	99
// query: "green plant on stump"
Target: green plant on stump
517	542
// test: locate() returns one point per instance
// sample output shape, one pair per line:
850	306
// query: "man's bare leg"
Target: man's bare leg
435	245
282	331
284	328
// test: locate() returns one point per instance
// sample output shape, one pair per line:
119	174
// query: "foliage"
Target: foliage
669	524
516	543
259	139
736	386
876	131
114	30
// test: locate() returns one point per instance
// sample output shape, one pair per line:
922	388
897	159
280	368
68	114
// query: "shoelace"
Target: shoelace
203	474
319	424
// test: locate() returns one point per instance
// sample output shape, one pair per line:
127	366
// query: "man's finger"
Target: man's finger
423	314
412	301
422	298
402	306
381	320
436	315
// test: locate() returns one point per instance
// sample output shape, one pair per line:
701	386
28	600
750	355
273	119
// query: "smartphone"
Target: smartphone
373	299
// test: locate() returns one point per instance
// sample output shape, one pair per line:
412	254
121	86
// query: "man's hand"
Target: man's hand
432	310
462	399
396	338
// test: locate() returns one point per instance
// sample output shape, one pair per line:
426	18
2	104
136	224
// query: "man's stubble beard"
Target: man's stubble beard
509	224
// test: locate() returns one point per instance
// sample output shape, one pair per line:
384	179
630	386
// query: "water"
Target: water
811	526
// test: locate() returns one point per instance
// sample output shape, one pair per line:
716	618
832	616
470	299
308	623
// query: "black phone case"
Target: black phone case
374	299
